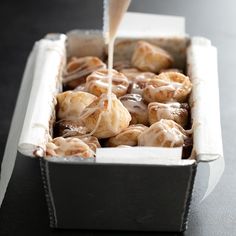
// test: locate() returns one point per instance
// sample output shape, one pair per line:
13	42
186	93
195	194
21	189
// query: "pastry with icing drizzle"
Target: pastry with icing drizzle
148	57
68	147
137	79
97	83
77	69
91	141
175	111
103	121
167	87
127	137
164	133
70	104
136	107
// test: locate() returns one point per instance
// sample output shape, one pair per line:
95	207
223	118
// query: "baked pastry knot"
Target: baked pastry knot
127	137
77	69
68	147
148	57
137	108
70	104
164	133
91	141
97	83
175	111
137	79
103	121
167	87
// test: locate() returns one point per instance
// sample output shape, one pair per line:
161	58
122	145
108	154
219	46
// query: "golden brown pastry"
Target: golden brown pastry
70	104
70	128
137	79
136	107
97	83
127	137
105	122
167	87
147	57
92	142
175	111
68	147
164	133
78	69
135	75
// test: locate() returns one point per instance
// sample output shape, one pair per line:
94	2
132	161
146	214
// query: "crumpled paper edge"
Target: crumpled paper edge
205	109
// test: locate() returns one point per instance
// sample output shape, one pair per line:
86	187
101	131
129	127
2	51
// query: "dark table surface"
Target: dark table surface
24	210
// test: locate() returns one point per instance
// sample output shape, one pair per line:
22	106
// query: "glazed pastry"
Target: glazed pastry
92	142
167	87
137	79
103	121
78	69
164	133
70	128
138	87
136	107
175	111
135	75
127	137
97	83
71	104
147	57
68	147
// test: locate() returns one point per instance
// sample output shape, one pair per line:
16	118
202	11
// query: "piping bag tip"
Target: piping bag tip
113	12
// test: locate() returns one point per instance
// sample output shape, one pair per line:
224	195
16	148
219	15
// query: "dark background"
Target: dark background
24	210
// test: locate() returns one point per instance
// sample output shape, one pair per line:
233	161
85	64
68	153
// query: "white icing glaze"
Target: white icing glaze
80	67
71	146
105	122
134	103
72	103
98	82
128	136
166	87
165	133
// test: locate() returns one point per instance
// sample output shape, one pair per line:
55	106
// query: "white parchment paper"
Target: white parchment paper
205	108
34	104
46	84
